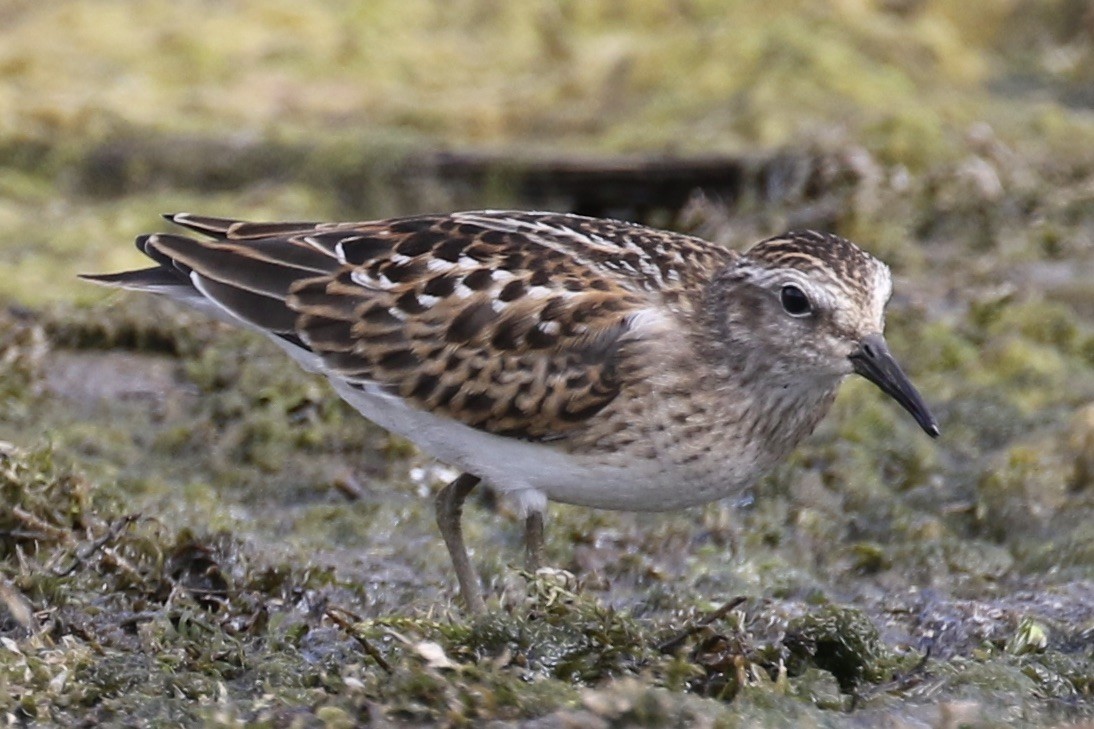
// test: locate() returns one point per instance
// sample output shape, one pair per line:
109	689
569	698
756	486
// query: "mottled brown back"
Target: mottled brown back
514	323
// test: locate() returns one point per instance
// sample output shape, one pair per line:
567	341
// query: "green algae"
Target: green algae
842	642
209	614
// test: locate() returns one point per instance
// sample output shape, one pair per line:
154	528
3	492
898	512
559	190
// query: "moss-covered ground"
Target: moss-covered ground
192	531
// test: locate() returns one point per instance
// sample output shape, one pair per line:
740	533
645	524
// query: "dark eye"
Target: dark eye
795	301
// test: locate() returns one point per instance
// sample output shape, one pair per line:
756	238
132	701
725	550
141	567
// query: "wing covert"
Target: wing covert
476	324
513	323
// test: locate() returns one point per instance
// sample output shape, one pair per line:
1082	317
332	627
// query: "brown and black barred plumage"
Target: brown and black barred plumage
557	357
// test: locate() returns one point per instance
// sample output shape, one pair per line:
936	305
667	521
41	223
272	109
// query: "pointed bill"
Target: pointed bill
875	362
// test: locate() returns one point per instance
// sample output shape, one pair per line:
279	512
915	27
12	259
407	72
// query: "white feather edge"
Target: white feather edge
452	442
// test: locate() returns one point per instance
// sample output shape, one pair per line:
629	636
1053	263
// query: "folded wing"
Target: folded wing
516	324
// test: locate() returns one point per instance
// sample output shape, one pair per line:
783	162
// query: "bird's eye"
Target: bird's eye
795	302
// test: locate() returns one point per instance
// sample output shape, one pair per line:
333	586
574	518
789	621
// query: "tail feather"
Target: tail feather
229	229
288	252
213	227
145	246
236	266
264	312
145	279
239	279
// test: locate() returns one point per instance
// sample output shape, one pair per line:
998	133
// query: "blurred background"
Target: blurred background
953	140
112	111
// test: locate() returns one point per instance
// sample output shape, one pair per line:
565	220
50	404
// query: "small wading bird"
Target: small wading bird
556	357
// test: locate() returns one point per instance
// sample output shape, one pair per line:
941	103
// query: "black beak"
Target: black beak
875	362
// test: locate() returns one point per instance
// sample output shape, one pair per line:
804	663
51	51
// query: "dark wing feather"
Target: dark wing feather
224	228
514	323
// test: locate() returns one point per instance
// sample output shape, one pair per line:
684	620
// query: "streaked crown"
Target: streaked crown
837	277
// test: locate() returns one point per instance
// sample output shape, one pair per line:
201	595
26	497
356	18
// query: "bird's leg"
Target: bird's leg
449	507
533	541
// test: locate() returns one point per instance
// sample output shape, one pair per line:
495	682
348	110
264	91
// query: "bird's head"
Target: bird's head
811	306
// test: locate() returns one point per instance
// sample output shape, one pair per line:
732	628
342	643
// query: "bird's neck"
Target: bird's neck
783	415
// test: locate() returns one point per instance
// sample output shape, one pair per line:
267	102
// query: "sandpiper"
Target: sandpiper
555	357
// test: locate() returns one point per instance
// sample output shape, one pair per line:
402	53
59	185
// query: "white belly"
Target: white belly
537	472
533	473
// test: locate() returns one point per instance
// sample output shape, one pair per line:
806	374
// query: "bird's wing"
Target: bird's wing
513	323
